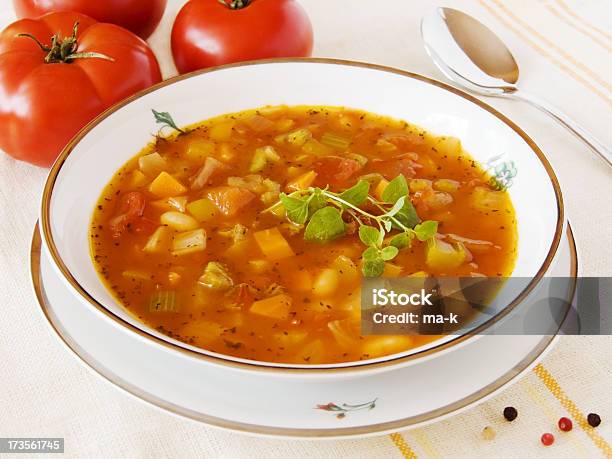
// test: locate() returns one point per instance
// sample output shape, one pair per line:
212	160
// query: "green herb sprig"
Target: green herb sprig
165	119
322	212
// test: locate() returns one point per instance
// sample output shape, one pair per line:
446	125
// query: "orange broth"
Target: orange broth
214	278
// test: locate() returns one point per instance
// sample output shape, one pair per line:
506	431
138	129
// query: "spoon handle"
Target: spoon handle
593	143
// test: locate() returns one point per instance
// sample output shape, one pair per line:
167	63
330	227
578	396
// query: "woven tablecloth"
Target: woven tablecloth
564	48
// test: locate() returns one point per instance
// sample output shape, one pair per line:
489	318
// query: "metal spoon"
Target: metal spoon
471	55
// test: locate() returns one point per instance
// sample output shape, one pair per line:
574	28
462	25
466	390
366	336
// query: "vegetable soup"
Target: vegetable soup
249	234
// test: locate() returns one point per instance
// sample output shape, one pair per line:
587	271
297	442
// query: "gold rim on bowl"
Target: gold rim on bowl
269	366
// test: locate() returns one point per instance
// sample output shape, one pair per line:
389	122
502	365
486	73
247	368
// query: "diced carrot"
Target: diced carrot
229	200
273	245
302	182
165	186
380	188
275	307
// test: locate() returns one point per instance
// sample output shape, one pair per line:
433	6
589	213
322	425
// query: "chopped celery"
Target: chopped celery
261	157
189	242
216	277
299	137
335	141
164	301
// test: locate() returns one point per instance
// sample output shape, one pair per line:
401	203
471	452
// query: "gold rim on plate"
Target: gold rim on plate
266	366
381	428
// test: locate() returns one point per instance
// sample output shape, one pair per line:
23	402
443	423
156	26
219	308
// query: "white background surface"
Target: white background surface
45	392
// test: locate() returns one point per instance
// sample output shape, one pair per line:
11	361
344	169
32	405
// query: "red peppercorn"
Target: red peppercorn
547	439
565	424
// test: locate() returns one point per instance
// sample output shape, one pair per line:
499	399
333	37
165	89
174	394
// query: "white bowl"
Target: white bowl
100	149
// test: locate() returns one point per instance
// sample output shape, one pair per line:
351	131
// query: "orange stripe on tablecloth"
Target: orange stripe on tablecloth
405	449
587	24
579	28
552	44
553	386
543	52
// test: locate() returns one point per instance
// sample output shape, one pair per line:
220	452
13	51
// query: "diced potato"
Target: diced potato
259	266
313	352
275	307
159	241
137	179
189	242
419	185
272	110
447	185
226	152
380	188
345	331
199	149
485	200
437	200
302	182
203	210
385	345
448	146
347	269
442	256
216	277
179	221
165	186
152	164
272	244
222	131
290	338
203	332
301	280
326	282
177	203
283	125
392	270
314	147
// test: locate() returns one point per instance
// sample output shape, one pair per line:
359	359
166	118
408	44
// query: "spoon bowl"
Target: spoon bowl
473	56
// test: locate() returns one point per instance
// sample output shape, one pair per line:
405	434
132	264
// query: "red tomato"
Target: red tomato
139	16
44	104
212	32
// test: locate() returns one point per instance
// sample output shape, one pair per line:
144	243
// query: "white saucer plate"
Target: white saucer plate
252	402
